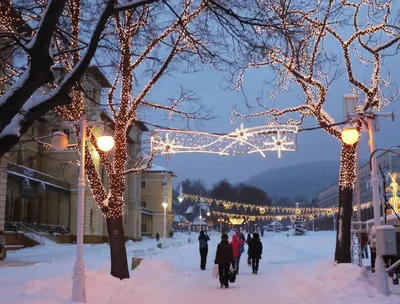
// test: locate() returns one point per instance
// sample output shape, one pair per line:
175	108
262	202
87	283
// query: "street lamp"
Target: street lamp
105	141
180	196
380	277
60	142
350	135
165	205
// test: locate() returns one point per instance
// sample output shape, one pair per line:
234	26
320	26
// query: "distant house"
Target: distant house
152	197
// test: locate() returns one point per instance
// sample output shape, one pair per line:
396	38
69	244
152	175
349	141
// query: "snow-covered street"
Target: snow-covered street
292	270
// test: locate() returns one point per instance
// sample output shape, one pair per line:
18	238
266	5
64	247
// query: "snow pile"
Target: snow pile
101	287
342	283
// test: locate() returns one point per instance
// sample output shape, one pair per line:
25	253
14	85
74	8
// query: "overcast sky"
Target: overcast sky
312	145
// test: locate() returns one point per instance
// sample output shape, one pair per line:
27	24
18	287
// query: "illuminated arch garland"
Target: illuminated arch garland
242	141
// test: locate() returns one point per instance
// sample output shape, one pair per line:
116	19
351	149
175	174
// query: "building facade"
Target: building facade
41	184
329	197
156	186
388	163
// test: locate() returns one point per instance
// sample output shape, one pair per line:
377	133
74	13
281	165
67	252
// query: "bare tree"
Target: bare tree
308	60
33	30
141	51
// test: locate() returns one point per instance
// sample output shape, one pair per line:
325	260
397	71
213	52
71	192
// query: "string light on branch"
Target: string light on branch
242	141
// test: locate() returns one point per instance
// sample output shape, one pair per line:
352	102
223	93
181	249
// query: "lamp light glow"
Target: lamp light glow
59	141
350	135
105	142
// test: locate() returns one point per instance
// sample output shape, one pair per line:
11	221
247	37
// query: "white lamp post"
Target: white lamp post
105	144
165	205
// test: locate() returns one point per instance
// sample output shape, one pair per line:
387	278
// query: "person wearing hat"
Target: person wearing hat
224	258
203	247
255	251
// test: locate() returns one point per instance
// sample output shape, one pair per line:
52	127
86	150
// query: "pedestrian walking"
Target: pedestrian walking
248	238
224	258
364	245
157	237
262	232
203	247
255	251
238	249
372	245
242	238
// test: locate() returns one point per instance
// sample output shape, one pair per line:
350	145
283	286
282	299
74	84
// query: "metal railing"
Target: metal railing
34	235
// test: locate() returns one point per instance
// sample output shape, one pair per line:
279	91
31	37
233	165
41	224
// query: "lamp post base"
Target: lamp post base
380	276
78	285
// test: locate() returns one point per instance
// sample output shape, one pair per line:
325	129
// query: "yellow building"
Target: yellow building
156	186
41	185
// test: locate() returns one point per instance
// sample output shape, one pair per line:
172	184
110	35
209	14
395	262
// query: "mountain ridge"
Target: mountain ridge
304	179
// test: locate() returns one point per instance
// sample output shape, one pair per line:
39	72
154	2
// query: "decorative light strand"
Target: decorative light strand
242	141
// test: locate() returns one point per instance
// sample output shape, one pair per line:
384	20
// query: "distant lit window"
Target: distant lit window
143	185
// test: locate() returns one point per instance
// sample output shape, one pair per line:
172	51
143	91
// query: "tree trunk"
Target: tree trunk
119	262
343	224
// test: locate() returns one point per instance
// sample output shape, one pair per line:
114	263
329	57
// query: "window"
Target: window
143	204
143	185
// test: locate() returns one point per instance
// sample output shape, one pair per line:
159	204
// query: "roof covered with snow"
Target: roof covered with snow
157	168
179	218
198	221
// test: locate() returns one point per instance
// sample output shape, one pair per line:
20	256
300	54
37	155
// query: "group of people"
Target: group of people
228	254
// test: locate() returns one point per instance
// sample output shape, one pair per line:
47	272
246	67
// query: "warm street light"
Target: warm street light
60	143
105	142
350	135
208	213
180	196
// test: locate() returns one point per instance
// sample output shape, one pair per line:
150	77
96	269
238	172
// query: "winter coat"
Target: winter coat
224	255
203	239
236	244
255	248
364	239
248	238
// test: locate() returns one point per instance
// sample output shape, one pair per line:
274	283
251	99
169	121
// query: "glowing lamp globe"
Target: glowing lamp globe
208	213
59	141
180	198
165	205
105	142
350	135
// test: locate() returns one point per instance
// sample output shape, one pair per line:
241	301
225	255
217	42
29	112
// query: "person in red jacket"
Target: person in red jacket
238	249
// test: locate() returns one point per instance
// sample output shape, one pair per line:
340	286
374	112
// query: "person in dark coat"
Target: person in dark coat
255	251
242	238
203	247
157	237
248	238
224	258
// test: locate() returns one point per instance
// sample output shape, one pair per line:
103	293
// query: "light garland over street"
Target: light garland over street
242	141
